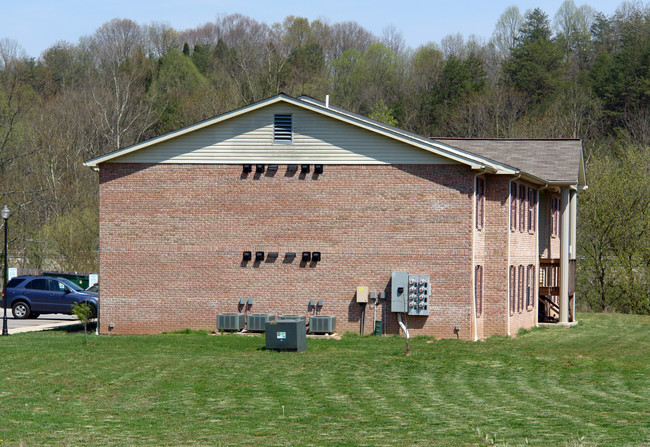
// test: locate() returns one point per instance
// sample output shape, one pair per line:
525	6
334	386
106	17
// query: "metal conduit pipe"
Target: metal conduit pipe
402	325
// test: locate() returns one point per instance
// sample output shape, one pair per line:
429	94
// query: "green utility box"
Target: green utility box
286	335
379	325
80	280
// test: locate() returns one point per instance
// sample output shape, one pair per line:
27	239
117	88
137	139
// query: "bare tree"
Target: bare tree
116	42
453	45
348	35
572	26
506	31
393	39
10	51
116	98
160	38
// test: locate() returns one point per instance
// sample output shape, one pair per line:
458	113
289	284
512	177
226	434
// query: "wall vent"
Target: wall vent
283	128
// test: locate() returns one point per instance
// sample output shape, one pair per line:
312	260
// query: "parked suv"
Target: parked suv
30	296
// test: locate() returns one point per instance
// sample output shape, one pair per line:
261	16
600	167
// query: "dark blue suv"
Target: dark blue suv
30	296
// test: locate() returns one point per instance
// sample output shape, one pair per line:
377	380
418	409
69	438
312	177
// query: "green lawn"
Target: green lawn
588	385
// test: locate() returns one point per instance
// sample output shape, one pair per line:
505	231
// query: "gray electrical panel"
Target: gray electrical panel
399	292
286	335
410	293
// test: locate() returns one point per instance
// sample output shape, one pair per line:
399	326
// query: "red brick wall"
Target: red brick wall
172	237
496	256
524	252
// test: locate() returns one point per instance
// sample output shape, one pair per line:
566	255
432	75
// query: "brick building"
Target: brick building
480	217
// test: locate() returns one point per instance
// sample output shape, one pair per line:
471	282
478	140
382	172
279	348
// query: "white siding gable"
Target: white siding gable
248	138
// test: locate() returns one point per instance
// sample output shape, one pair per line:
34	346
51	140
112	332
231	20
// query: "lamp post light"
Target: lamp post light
5	215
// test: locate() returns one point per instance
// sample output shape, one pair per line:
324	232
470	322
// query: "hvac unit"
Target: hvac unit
257	322
321	324
287	335
292	317
231	322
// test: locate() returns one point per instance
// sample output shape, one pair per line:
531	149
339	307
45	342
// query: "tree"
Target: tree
621	78
506	31
533	64
160	38
380	112
116	89
614	241
573	29
84	312
178	85
360	81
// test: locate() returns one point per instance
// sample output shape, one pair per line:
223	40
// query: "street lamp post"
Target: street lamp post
5	215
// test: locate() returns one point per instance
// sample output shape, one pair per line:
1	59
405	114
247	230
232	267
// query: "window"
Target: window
520	289
56	286
480	202
478	289
13	282
513	288
532	209
554	216
513	206
38	284
530	287
522	207
283	128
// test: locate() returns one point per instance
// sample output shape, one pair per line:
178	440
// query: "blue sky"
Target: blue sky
38	24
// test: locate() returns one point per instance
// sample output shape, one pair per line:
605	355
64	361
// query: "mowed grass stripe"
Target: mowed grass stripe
581	386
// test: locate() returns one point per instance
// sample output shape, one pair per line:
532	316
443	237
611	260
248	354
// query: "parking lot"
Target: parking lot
44	322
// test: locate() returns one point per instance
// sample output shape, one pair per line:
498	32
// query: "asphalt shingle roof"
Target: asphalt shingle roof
551	160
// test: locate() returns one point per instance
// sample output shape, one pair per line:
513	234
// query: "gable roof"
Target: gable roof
493	156
555	161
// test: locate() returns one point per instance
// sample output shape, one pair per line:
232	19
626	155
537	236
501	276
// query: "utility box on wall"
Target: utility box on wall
286	335
362	294
410	293
399	292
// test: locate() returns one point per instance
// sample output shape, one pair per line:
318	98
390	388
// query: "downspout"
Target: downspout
473	276
508	291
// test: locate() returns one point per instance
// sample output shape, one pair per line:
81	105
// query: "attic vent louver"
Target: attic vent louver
282	128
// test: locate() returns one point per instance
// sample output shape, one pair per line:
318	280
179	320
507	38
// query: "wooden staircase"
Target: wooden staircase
549	289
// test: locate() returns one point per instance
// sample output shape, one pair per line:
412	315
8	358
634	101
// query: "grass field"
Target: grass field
588	385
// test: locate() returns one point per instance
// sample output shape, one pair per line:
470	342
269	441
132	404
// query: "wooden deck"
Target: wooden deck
549	277
549	289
